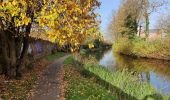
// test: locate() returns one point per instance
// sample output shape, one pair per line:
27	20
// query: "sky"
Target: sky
109	6
106	10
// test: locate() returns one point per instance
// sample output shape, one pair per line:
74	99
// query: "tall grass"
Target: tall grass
124	80
159	48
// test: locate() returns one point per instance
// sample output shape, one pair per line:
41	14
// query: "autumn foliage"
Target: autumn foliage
65	21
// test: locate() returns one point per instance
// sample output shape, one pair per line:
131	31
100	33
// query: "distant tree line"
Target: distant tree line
131	14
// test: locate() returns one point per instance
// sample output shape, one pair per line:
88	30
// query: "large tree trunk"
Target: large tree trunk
8	53
14	58
4	54
12	55
22	59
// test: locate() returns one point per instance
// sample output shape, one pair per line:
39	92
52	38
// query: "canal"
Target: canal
155	72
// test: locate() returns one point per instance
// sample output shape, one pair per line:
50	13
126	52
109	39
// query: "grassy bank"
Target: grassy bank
81	87
159	49
20	89
123	81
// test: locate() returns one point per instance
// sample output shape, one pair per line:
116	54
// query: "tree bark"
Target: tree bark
5	60
21	60
140	30
147	25
4	49
12	55
9	54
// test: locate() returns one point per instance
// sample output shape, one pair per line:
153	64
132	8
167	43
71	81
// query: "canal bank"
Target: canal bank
152	71
141	48
126	78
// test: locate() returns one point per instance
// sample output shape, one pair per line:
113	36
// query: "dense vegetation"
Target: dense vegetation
159	49
132	37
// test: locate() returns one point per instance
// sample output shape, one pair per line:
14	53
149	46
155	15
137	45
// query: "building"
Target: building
153	34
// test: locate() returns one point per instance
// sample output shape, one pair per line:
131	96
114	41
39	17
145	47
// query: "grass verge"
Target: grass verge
80	87
124	81
54	56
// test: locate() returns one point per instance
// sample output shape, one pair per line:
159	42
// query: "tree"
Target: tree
65	22
112	27
164	23
150	6
126	19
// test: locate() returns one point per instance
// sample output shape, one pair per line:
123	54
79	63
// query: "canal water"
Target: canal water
155	72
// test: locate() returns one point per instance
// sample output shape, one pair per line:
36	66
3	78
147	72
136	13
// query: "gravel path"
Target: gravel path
50	86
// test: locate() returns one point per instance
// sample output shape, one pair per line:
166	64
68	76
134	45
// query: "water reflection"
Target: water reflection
156	72
108	60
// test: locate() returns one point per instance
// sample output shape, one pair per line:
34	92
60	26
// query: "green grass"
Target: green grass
54	56
123	80
69	60
152	49
81	88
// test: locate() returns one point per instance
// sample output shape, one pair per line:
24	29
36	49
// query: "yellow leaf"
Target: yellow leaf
91	46
14	2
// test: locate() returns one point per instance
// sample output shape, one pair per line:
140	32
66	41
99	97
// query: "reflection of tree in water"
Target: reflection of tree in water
143	66
147	70
148	77
97	54
145	76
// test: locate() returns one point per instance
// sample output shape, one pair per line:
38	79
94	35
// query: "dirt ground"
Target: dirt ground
50	86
